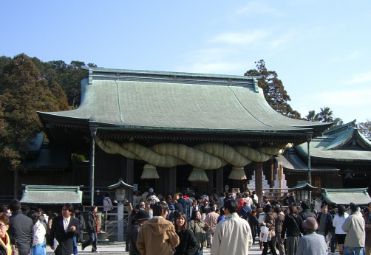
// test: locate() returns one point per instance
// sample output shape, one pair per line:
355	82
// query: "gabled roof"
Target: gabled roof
346	196
178	102
303	186
343	143
291	161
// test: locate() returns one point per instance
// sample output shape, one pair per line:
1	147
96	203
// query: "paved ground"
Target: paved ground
119	248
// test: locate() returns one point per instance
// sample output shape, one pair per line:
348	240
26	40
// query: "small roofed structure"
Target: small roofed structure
302	190
303	186
121	184
51	194
346	196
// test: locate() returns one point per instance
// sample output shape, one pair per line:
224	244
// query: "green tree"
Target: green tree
273	89
68	76
311	116
23	91
325	115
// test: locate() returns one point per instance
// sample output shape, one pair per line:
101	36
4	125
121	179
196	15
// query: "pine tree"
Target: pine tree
273	89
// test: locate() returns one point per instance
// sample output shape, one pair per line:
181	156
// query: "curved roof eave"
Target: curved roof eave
144	100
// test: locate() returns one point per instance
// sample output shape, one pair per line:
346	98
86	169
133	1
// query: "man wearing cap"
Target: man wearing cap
311	243
157	235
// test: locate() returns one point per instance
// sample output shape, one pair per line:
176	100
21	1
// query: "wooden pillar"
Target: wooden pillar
15	183
259	181
219	181
172	180
272	174
129	171
129	176
210	184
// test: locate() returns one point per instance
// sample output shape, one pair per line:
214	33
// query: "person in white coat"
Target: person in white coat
338	222
232	236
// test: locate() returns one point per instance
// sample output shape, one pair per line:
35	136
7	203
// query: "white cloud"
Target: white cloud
257	7
349	57
239	38
361	78
283	39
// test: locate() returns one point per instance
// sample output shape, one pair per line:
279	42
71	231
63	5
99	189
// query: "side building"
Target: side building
340	158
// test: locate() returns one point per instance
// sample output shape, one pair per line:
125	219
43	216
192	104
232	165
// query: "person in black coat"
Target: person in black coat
20	231
139	218
91	228
188	243
64	229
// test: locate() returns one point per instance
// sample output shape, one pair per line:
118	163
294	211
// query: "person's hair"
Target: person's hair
3	208
159	208
293	209
15	205
231	205
194	212
353	207
93	207
267	209
4	218
185	226
277	209
69	207
324	205
304	205
341	210
35	216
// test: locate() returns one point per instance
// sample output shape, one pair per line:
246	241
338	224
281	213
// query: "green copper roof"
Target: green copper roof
346	196
50	194
141	100
343	143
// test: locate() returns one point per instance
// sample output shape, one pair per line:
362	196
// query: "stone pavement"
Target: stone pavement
119	248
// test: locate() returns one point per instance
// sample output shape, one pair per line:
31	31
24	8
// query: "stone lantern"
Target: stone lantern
120	192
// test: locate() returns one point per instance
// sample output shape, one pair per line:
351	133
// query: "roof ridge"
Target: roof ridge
176	77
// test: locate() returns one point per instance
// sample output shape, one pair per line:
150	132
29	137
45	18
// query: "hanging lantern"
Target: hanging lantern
149	172
198	175
237	173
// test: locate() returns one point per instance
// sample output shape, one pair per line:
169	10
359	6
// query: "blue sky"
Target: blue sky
320	49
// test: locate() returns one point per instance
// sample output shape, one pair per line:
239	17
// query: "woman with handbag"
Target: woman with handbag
270	240
199	228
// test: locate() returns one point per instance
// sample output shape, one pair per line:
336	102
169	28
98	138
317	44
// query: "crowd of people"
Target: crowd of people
185	225
28	232
229	224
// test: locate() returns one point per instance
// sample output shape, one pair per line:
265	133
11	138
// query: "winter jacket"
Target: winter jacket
232	236
188	244
367	218
291	225
20	232
157	236
312	244
354	226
